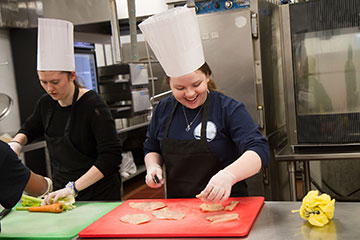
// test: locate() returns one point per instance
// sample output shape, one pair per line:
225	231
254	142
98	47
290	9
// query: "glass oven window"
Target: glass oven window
327	72
326	65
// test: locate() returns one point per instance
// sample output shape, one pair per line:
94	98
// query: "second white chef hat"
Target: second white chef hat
55	45
174	37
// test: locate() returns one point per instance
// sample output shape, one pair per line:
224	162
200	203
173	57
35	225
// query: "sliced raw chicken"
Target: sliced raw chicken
166	213
147	206
136	218
205	207
223	218
231	206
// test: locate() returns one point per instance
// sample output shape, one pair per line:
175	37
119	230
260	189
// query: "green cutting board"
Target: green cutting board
65	225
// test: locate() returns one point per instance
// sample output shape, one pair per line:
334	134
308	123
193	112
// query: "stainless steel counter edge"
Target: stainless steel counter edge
286	154
132	127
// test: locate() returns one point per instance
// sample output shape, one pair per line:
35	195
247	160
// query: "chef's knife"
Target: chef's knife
4	212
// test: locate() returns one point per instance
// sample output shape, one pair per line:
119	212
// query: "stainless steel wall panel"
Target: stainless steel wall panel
20	13
288	74
228	49
78	11
272	78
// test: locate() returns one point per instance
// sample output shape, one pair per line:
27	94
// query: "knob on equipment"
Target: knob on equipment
228	4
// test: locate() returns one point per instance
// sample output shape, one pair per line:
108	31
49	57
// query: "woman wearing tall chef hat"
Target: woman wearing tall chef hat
80	133
207	141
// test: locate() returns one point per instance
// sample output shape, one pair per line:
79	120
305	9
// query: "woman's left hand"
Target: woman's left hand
219	187
64	192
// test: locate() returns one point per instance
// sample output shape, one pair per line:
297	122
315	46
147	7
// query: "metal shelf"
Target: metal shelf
132	127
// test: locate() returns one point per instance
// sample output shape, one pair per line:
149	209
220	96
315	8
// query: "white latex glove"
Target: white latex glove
16	147
64	192
49	187
151	172
219	187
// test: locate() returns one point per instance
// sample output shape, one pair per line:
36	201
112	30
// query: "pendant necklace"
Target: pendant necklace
188	127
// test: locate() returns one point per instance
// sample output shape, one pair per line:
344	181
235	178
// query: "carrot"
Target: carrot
53	208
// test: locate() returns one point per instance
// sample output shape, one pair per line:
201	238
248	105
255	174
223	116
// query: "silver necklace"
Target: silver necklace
188	127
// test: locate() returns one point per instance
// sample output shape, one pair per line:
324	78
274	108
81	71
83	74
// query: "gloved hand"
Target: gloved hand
16	147
219	187
151	172
64	192
49	187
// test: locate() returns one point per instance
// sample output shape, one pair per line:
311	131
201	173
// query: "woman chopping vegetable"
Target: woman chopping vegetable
84	148
15	177
207	141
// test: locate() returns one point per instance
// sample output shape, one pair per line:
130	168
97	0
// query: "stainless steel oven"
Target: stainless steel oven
321	59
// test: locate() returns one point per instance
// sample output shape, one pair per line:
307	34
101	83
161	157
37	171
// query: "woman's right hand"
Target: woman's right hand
150	179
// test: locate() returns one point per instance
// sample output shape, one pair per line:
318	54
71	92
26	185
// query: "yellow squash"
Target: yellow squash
317	210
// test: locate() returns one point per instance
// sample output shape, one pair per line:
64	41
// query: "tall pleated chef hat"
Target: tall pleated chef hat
55	45
174	37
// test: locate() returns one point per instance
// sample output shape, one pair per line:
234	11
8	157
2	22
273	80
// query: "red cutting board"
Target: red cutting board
194	224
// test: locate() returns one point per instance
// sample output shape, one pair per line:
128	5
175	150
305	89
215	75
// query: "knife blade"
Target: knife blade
4	212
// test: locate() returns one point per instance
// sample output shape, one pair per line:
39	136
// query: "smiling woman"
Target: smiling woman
207	141
191	89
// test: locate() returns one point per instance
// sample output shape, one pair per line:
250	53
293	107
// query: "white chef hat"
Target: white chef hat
174	37
55	45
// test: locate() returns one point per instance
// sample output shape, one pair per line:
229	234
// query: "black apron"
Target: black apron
68	164
190	164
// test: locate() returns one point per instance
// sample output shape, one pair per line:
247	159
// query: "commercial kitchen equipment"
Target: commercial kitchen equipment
85	64
321	55
321	58
125	88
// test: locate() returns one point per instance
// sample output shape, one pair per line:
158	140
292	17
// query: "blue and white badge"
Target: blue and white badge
211	131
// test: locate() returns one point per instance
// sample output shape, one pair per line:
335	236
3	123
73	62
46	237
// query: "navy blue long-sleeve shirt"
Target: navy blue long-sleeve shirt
230	129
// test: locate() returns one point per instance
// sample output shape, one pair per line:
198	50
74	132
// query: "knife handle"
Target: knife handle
156	179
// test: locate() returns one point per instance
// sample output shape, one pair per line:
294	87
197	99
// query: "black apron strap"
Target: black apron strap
170	120
49	116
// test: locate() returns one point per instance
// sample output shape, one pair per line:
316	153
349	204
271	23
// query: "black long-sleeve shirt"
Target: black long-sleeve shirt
92	128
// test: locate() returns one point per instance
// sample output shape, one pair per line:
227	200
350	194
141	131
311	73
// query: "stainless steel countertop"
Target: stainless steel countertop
276	221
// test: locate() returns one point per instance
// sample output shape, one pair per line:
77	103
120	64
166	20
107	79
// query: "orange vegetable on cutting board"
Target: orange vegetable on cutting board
52	208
